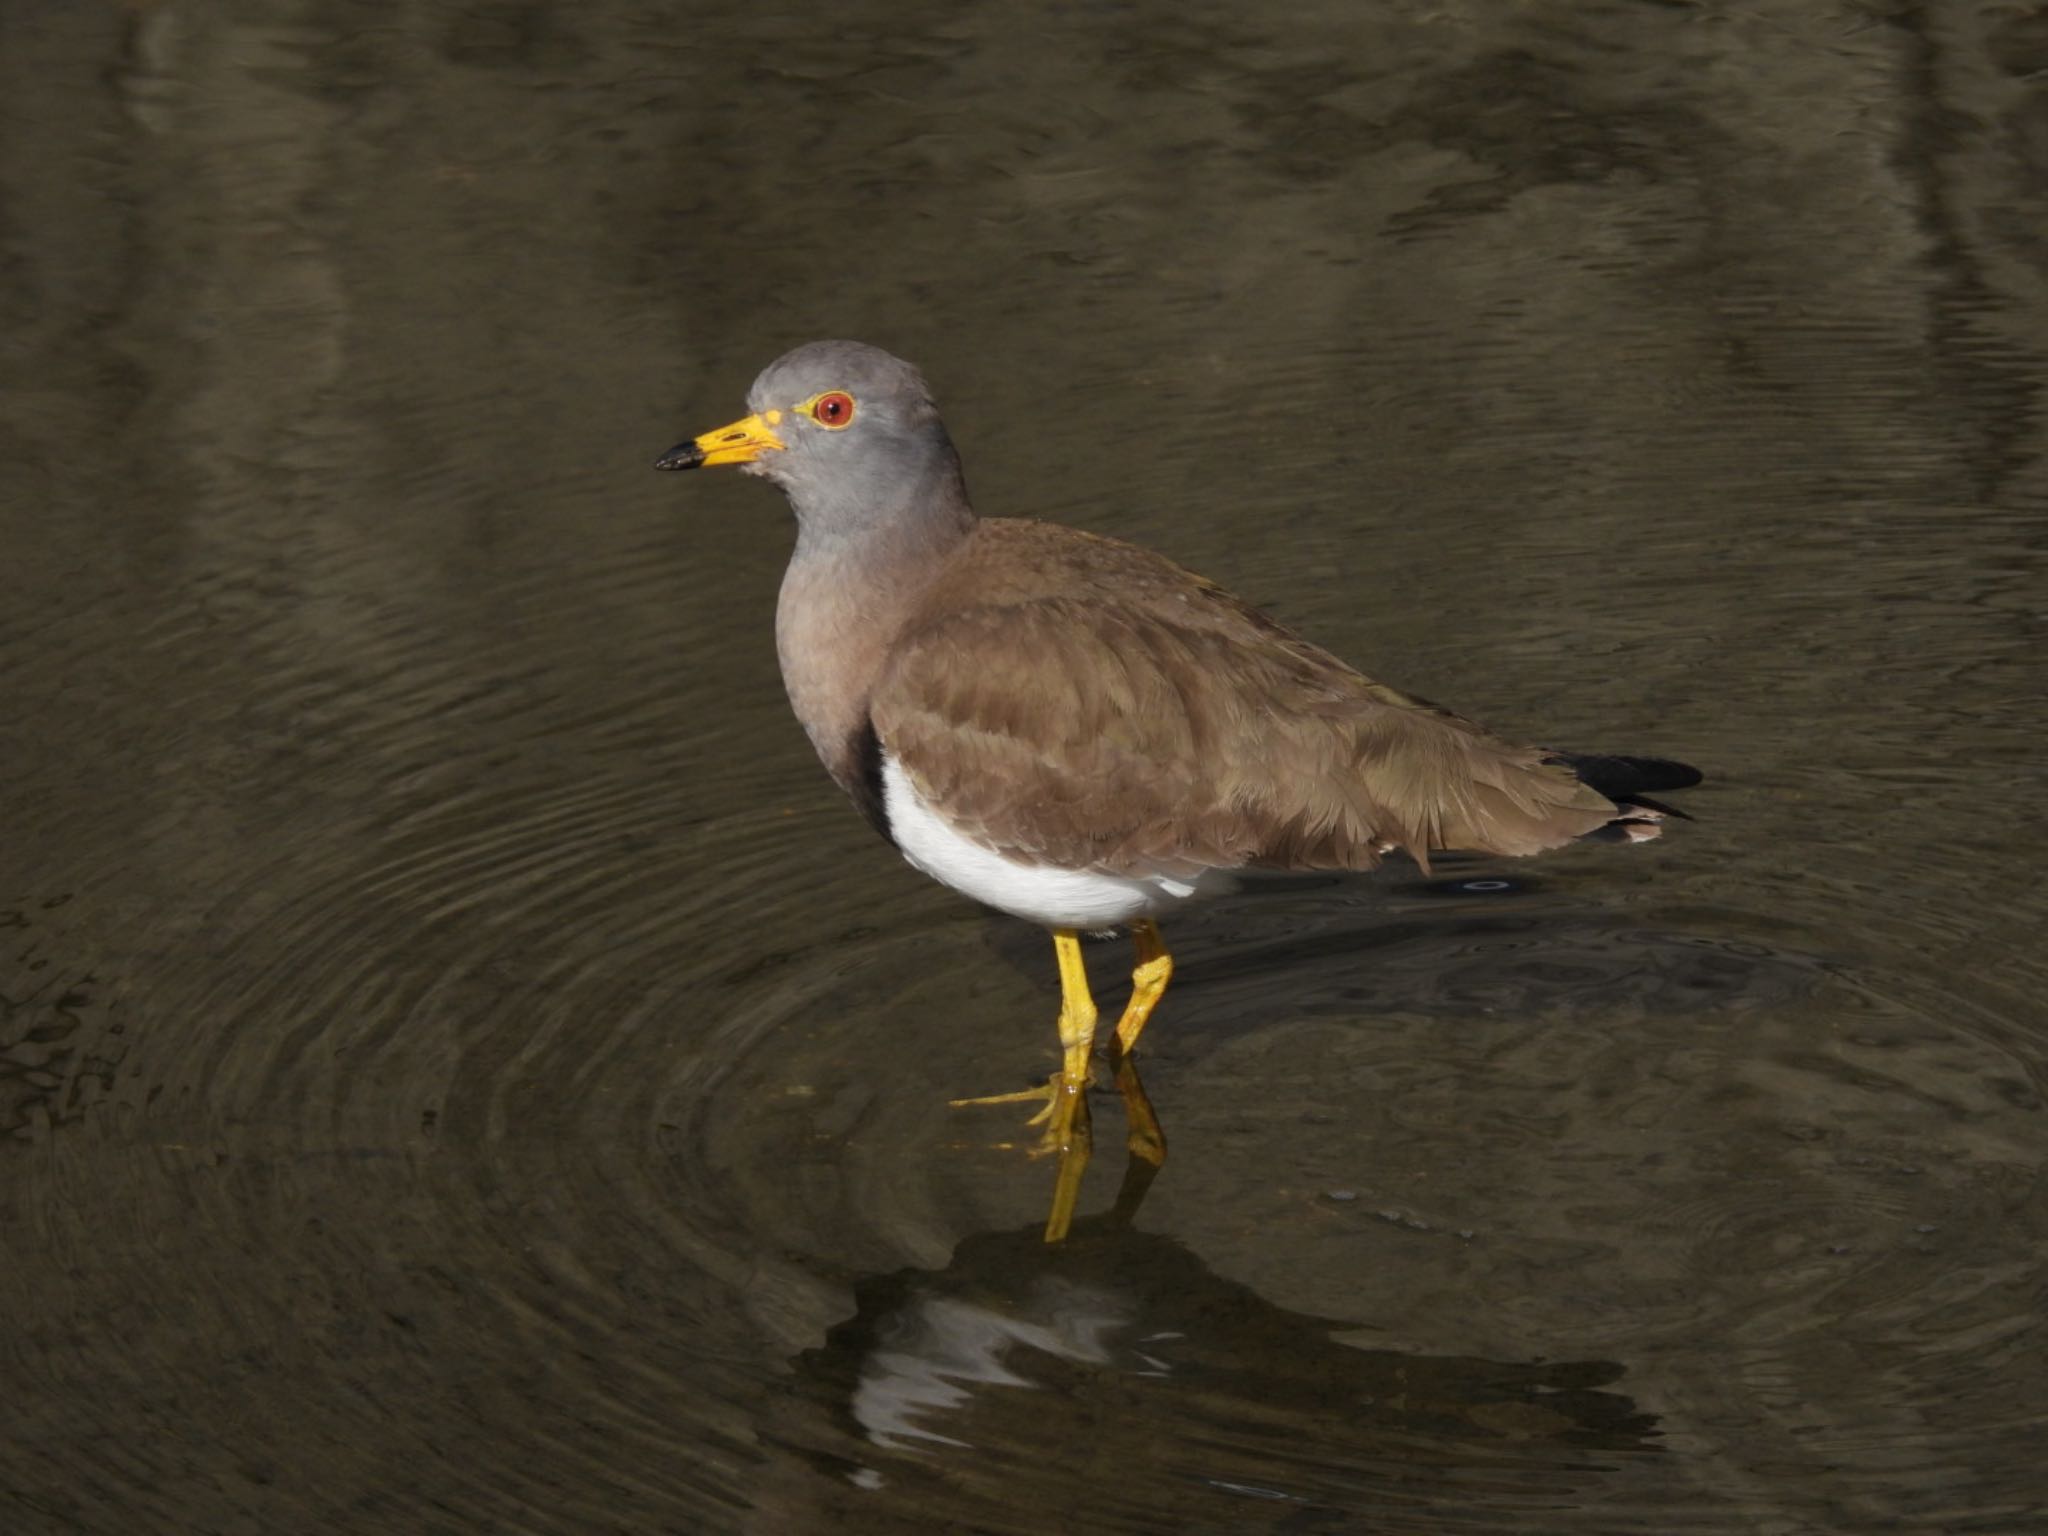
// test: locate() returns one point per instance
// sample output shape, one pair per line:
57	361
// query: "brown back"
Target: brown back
1062	697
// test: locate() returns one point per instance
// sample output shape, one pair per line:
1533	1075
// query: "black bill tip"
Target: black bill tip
685	455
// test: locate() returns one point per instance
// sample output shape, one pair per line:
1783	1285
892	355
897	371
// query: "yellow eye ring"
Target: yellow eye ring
833	409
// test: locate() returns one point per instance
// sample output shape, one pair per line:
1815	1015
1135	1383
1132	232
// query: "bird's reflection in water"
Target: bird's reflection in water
1144	1141
1116	1370
1454	948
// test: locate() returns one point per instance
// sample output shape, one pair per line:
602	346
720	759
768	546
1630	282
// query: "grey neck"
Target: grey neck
855	575
921	512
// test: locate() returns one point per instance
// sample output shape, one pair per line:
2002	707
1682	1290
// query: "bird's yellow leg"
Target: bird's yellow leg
1069	1132
1065	1115
1148	983
1077	1036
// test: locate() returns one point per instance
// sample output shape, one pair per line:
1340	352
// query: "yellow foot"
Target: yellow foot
1065	1094
1068	1133
1060	1106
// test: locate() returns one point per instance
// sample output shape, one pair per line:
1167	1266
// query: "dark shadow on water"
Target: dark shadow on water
1465	944
1180	1399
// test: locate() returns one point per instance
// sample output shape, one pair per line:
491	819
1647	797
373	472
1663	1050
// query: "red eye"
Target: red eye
833	410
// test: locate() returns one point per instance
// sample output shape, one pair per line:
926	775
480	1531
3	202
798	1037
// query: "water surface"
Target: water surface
465	1070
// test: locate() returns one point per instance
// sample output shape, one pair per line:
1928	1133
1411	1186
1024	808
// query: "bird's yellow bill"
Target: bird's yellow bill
741	443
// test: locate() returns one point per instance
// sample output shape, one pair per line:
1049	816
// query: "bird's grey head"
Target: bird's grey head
849	433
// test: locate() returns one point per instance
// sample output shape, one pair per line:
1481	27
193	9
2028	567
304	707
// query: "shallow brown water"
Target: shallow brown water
464	1069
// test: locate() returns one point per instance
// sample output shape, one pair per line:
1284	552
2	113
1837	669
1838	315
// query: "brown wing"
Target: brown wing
1190	732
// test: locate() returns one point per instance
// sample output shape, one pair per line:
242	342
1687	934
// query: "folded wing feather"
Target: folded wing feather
1192	732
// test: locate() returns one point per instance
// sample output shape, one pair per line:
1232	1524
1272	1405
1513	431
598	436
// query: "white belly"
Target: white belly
1057	898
